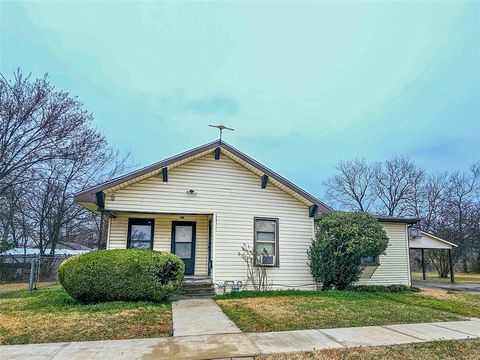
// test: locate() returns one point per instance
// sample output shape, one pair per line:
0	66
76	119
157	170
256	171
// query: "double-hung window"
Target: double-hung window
140	233
266	241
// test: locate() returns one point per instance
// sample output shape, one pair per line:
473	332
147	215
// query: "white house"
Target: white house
205	203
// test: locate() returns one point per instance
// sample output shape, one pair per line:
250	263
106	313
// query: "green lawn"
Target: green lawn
445	350
460	277
51	315
292	310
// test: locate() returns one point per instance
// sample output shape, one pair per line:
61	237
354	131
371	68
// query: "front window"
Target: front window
140	233
266	240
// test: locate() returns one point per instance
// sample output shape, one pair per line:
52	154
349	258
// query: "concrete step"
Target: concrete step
177	296
198	282
186	297
196	294
196	290
197	287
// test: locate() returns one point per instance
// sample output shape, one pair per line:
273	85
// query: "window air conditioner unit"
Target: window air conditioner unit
267	260
414	233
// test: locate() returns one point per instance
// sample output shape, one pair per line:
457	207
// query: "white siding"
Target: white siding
118	228
427	241
394	265
233	194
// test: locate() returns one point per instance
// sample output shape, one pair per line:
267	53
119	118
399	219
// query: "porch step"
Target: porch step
196	287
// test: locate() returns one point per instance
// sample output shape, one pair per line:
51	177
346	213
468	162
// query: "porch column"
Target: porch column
452	277
423	264
100	231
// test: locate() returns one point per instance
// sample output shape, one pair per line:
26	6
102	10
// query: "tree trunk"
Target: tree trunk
465	264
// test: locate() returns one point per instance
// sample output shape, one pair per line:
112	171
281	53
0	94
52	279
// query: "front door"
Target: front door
183	243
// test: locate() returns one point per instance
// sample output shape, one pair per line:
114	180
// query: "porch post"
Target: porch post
100	232
423	264
452	277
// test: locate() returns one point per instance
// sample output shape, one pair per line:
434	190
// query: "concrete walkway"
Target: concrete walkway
470	288
239	345
200	317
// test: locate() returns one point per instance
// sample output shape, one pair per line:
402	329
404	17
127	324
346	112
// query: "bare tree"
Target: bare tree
9	205
350	187
37	124
395	181
436	187
426	200
48	152
461	212
50	203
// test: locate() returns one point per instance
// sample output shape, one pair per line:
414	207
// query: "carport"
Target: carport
422	240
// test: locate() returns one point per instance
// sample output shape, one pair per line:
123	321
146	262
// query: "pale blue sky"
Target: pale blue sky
303	84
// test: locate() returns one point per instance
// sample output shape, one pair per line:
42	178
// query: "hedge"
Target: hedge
121	275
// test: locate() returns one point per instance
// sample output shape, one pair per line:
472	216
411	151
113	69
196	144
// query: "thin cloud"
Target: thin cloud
212	105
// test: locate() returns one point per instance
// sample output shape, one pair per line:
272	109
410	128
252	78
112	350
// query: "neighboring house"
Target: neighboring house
62	248
68	245
204	204
20	251
25	255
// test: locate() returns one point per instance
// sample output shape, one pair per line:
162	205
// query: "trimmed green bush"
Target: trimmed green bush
121	275
342	240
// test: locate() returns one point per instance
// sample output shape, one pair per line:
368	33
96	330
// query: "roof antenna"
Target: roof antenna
221	128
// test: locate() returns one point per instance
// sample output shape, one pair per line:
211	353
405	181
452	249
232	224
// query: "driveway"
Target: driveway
471	288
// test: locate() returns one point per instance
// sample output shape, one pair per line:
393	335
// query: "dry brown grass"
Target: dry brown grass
79	327
24	286
439	294
50	315
341	309
445	350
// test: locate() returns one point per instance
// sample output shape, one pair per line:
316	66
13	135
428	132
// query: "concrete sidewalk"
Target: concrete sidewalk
200	317
239	345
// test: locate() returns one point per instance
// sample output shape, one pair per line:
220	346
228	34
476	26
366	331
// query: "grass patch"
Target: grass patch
51	315
265	294
460	277
23	286
445	350
447	301
292	310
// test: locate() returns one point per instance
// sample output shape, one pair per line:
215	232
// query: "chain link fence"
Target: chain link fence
28	272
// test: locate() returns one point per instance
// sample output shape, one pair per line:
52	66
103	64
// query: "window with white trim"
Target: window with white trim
266	241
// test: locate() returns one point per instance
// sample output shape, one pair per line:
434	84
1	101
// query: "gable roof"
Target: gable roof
89	195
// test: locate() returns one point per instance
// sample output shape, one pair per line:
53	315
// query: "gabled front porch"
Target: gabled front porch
187	235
